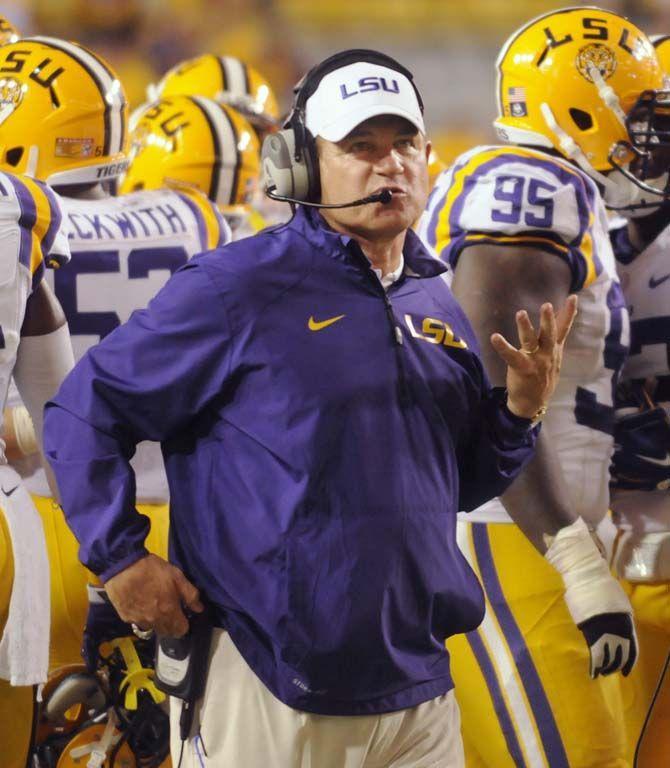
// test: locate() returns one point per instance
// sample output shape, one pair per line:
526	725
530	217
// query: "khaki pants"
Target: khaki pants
242	725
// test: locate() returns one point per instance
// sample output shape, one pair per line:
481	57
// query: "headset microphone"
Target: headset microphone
384	197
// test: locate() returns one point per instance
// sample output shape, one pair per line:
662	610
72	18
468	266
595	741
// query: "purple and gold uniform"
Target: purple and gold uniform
30	238
522	678
123	250
641	476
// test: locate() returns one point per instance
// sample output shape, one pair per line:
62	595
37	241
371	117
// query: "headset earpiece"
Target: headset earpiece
289	162
281	170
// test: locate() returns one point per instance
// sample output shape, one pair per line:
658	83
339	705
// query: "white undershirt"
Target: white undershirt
390	277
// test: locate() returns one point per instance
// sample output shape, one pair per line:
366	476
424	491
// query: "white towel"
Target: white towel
24	646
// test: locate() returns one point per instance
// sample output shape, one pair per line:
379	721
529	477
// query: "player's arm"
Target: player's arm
44	358
492	284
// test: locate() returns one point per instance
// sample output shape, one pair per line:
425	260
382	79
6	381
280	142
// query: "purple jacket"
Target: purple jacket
319	437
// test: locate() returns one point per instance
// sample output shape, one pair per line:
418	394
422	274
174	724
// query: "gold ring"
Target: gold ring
530	351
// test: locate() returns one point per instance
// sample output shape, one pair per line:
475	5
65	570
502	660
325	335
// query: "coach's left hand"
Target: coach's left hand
533	370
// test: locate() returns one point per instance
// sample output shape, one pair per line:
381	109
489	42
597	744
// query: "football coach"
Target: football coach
323	414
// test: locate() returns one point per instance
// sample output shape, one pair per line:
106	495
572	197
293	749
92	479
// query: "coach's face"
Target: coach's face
384	152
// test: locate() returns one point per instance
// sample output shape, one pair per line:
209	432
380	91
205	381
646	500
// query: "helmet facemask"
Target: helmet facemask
648	128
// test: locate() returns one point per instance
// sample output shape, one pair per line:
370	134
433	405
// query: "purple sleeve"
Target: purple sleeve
497	444
499	447
145	381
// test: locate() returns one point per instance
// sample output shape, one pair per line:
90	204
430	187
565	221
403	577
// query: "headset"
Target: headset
289	157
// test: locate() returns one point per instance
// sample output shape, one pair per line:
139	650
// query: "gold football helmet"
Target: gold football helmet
8	32
197	142
226	80
63	113
584	82
662	46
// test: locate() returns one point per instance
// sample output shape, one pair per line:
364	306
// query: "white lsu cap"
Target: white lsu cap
356	92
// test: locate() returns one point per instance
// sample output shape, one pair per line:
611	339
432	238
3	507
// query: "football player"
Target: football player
641	465
515	222
35	349
227	80
202	144
64	121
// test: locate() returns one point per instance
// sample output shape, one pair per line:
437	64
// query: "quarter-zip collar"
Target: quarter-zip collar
418	261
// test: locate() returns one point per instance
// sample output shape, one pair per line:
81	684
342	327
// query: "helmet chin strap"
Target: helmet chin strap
607	95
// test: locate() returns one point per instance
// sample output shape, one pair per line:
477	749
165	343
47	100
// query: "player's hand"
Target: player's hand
595	599
533	370
612	643
152	594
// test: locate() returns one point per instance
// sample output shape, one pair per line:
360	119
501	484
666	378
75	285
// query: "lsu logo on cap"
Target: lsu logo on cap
368	84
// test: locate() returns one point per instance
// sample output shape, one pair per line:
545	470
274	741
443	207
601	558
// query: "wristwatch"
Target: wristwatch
533	420
538	415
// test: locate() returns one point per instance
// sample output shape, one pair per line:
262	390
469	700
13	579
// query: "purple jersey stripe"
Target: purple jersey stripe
27	219
223	226
544	717
584	191
488	671
55	222
197	213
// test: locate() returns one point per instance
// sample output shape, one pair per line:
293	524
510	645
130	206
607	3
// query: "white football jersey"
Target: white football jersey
645	279
124	249
30	238
515	196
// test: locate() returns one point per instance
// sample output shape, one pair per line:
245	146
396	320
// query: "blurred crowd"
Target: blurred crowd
282	38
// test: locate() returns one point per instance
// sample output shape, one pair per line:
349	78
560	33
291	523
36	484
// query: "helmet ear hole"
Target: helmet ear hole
582	120
13	156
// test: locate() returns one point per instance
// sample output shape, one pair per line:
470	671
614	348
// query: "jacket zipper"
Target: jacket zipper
404	392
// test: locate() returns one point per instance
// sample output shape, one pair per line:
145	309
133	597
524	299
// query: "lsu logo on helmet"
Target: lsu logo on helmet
187	140
596	57
63	113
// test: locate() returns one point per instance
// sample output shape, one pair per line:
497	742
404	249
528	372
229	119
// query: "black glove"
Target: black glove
612	643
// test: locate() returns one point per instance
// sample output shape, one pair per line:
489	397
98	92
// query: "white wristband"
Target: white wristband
590	588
